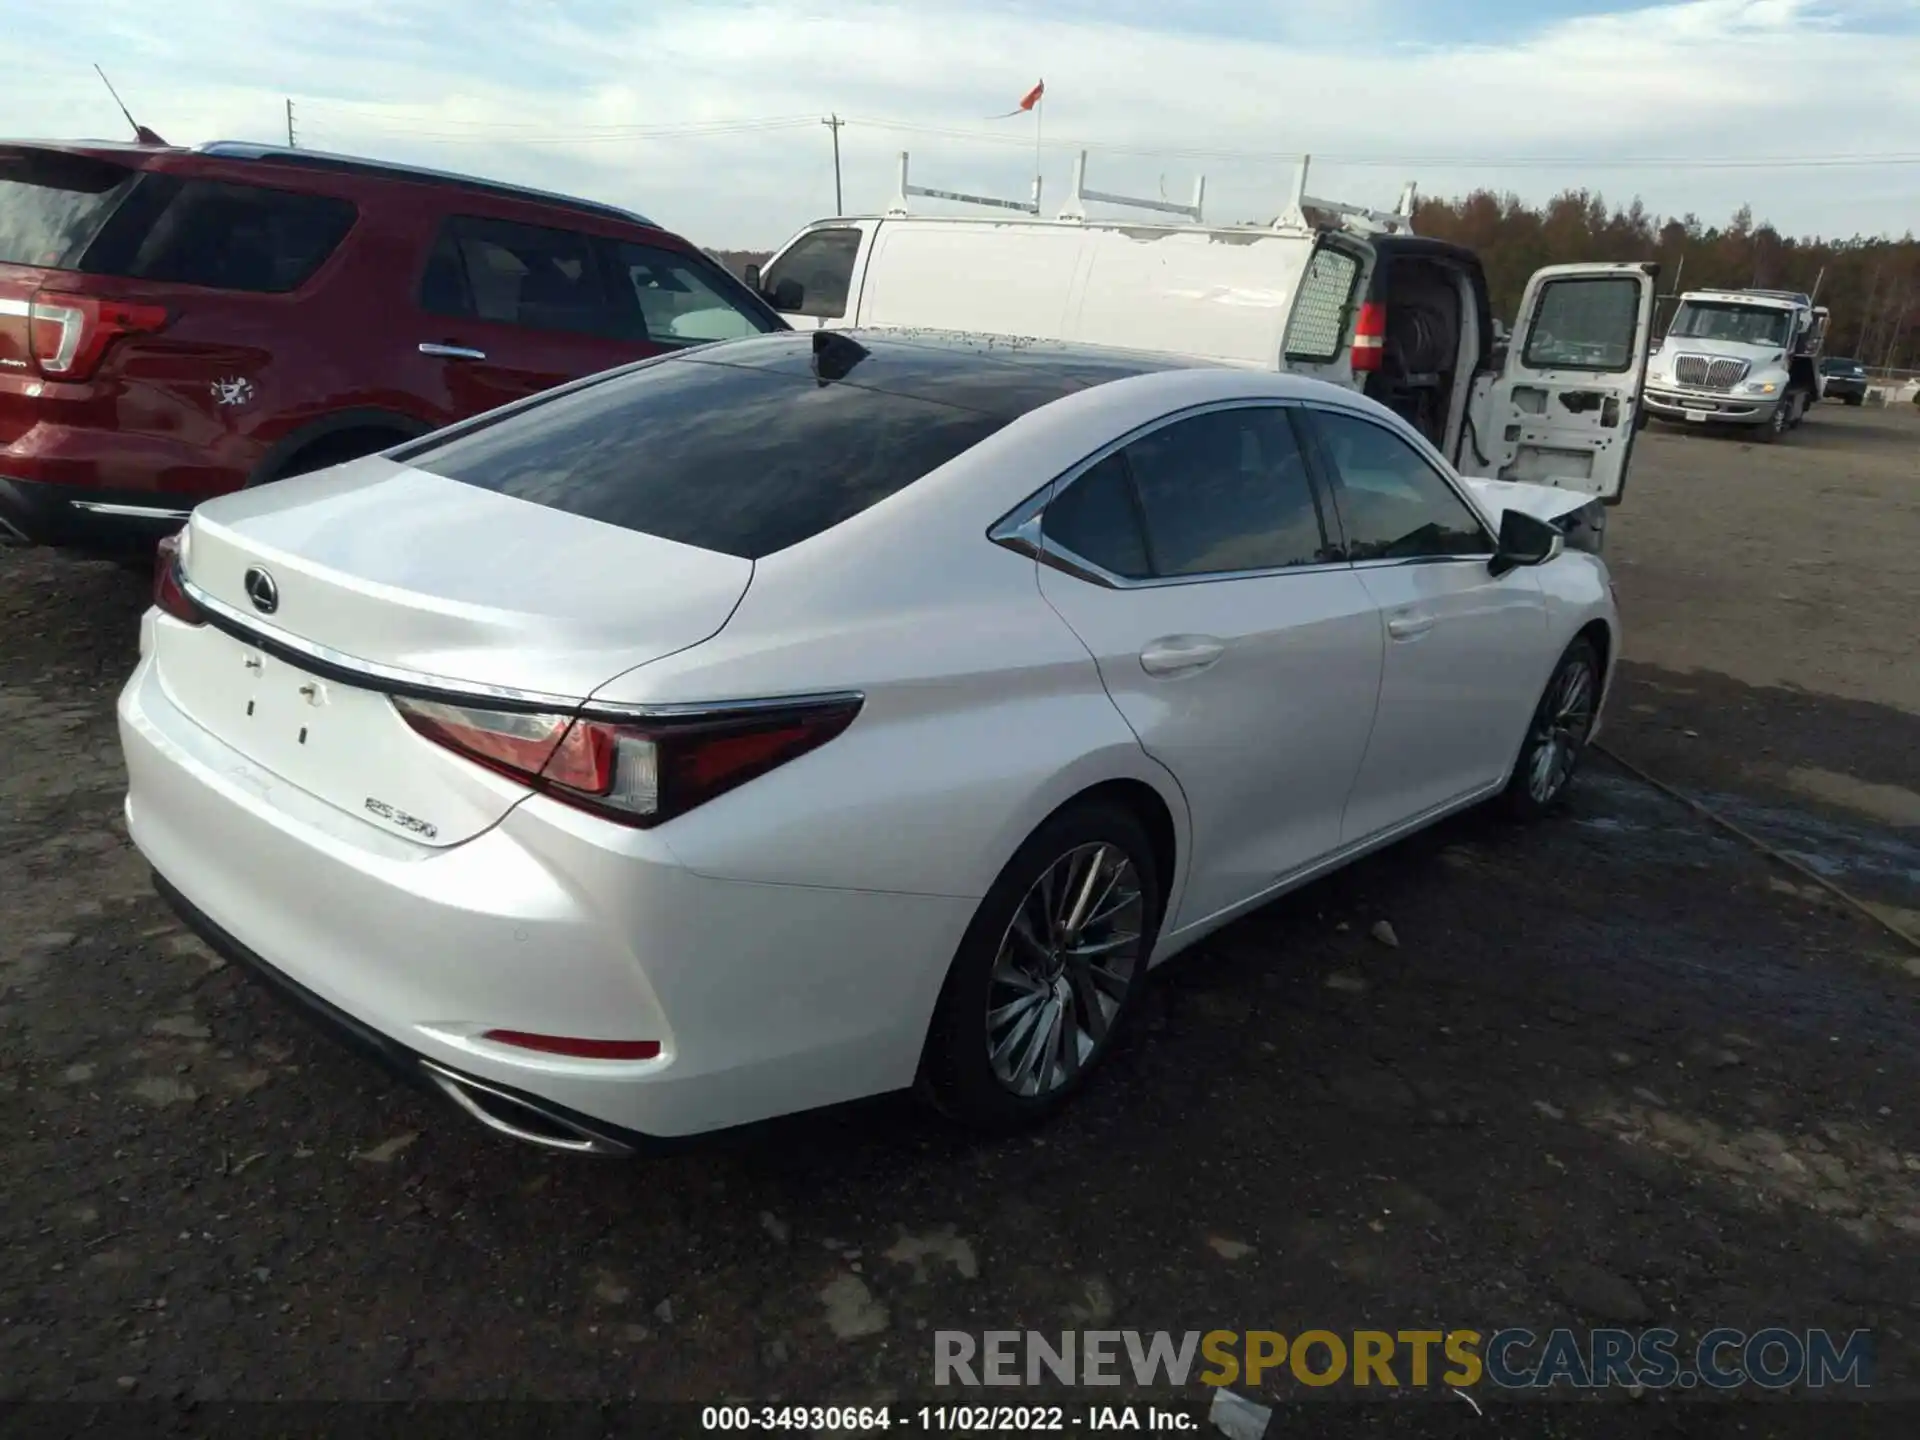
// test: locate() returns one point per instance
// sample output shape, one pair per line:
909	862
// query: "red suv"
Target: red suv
175	324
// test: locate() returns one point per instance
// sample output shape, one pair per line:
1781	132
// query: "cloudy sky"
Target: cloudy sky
705	113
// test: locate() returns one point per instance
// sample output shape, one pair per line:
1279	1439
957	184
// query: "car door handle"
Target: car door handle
1409	623
1181	654
451	352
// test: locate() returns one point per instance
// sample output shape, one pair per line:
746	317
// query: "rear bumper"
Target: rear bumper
513	1113
766	999
76	517
1718	408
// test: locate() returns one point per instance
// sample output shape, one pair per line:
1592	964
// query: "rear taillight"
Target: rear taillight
69	333
636	772
1369	337
169	595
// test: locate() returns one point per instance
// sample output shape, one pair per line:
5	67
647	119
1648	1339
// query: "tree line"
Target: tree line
1872	286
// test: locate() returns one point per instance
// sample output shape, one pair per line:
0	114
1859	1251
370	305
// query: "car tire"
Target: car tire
983	1069
1556	735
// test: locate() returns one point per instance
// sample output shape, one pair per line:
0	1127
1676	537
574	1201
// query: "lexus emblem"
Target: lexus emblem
261	590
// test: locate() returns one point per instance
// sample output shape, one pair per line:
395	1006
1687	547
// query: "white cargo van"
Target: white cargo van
1345	293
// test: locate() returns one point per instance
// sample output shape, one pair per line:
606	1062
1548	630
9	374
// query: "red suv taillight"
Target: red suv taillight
169	596
1369	337
638	773
69	333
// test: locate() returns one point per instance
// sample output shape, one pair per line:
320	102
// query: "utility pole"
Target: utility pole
834	123
290	139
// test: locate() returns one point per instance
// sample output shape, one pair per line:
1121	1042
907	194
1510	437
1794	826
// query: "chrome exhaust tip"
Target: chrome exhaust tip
521	1119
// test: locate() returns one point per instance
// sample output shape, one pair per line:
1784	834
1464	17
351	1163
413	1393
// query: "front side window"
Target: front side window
1585	323
814	275
1393	504
677	299
515	274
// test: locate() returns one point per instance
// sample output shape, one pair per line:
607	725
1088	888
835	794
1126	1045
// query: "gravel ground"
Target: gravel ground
1618	1068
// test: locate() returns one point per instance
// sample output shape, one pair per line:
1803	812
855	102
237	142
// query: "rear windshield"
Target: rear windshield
52	205
737	460
70	212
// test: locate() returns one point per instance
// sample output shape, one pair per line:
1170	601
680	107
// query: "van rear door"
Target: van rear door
1320	326
1565	408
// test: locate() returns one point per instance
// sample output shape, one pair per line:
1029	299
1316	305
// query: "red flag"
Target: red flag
1027	102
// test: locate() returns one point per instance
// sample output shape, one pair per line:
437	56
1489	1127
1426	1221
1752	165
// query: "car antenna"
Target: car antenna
140	132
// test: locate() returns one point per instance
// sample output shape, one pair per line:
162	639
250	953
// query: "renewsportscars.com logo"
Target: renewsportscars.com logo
1513	1359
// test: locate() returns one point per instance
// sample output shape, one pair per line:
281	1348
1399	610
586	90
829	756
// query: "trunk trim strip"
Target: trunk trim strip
391	680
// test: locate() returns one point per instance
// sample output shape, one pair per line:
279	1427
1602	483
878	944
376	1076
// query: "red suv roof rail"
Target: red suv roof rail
420	174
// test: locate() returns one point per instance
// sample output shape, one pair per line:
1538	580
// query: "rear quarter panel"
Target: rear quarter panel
984	712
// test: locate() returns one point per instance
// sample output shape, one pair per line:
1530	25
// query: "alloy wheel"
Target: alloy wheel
1064	968
1560	731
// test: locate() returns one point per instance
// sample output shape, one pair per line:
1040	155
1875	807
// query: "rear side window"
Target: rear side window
813	277
1318	326
742	461
228	237
1227	491
527	275
675	298
1098	519
52	205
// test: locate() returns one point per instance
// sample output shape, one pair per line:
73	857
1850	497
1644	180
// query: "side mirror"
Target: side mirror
1524	541
789	295
752	276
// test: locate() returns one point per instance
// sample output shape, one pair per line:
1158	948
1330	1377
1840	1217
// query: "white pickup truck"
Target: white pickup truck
1740	357
1338	291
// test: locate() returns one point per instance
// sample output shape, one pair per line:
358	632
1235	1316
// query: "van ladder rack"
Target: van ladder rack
899	206
1075	207
1357	218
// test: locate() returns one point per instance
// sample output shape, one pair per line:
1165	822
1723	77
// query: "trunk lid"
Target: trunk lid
388	569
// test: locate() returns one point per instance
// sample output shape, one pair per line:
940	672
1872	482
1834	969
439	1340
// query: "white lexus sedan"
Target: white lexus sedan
814	715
